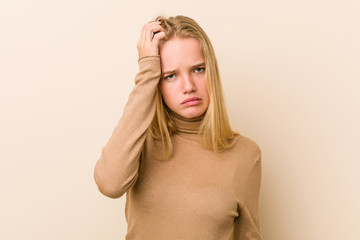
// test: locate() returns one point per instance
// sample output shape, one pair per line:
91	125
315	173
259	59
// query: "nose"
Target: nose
187	84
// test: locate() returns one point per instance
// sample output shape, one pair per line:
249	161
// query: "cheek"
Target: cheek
204	89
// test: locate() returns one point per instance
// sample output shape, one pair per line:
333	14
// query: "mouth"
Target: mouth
191	101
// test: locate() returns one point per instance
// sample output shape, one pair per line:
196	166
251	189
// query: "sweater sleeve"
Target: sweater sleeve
117	168
247	225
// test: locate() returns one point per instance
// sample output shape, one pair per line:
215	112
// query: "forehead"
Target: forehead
178	52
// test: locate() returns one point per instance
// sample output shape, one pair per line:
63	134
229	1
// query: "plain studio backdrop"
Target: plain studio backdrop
291	76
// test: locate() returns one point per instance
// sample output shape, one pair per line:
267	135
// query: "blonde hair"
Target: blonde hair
215	131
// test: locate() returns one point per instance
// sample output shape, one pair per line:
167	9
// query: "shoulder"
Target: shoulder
245	155
247	146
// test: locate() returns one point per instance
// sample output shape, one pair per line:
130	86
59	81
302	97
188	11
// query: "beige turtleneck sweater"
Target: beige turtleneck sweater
196	194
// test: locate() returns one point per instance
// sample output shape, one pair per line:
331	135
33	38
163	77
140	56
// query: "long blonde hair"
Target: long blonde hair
215	131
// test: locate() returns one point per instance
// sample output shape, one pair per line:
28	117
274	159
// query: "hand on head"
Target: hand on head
150	37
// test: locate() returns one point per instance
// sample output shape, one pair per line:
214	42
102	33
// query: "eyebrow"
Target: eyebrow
194	66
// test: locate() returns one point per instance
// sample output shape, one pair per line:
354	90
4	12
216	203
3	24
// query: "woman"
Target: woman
186	173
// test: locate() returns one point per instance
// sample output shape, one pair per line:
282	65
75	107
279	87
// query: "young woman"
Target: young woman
186	173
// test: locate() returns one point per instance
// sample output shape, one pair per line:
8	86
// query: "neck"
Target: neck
186	125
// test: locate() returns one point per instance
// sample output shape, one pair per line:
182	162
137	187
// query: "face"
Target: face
183	84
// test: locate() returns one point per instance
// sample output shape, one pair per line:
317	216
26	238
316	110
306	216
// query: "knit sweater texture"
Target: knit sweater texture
196	194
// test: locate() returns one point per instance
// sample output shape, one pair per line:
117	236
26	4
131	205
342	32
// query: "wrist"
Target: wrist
148	57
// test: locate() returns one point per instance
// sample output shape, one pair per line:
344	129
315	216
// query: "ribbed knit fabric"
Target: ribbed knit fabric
196	194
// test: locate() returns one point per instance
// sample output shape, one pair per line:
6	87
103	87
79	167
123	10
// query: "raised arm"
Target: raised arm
117	169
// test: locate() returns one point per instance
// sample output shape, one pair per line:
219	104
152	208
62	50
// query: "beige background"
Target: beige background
291	76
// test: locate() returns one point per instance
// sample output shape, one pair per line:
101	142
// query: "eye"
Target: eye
169	77
199	70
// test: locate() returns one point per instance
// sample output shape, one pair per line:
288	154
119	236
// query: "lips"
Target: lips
191	100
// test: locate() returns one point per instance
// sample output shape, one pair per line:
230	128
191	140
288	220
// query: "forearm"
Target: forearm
116	170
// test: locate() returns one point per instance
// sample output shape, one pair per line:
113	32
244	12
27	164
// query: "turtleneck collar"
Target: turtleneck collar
186	125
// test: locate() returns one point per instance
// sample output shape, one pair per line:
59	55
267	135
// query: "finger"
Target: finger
146	28
156	41
150	25
157	37
150	37
142	36
151	31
